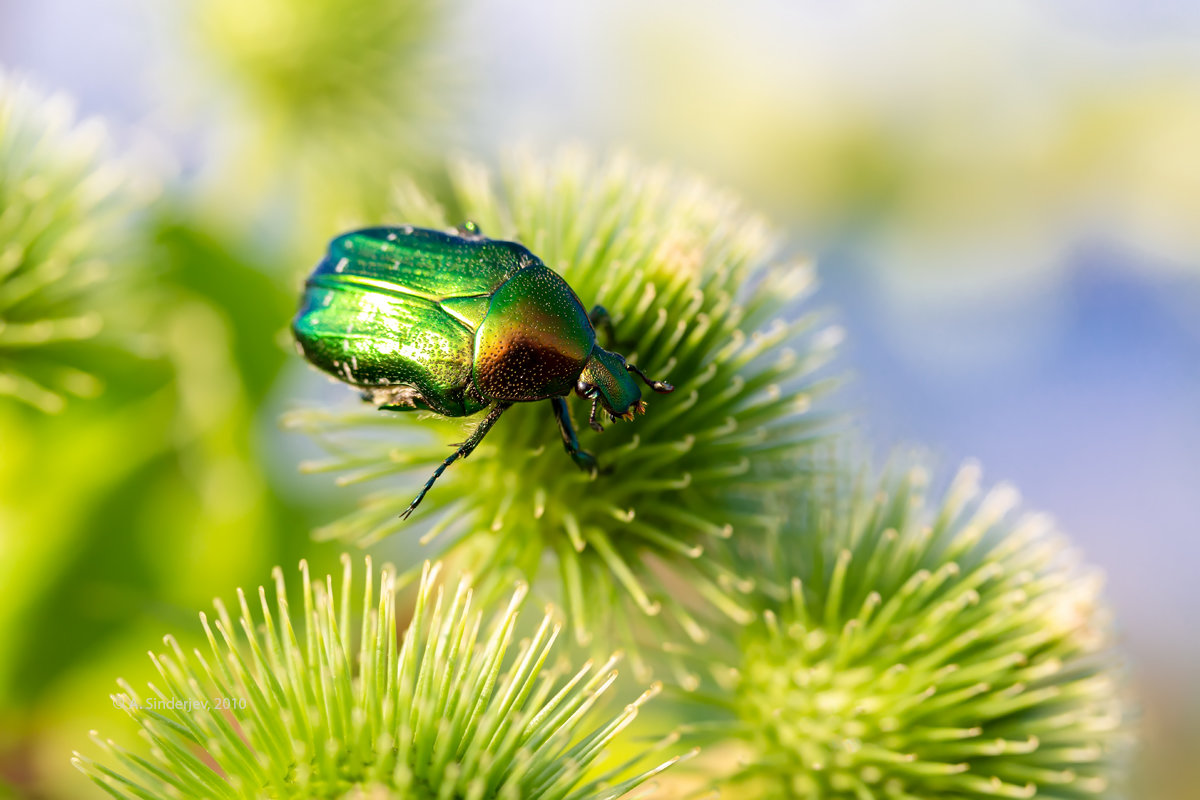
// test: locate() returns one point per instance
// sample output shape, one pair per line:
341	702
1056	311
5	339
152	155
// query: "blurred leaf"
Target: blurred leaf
319	103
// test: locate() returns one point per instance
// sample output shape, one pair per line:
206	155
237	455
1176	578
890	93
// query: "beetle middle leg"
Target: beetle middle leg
583	459
602	320
463	451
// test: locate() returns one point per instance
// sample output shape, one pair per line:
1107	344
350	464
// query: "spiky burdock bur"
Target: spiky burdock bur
699	298
905	650
322	706
62	218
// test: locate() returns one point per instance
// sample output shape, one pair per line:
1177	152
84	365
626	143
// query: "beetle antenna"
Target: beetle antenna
657	386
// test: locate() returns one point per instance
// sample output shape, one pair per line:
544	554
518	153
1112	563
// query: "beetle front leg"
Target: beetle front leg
583	459
595	423
463	451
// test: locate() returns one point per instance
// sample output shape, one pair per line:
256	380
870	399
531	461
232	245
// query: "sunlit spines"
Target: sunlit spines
310	712
905	648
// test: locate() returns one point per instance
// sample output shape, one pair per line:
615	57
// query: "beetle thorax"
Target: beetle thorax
535	339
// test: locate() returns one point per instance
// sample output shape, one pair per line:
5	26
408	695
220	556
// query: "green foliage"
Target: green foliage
700	297
63	206
443	713
905	650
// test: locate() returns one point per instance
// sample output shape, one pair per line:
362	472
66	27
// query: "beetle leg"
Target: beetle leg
583	459
596	426
396	398
470	230
602	320
463	451
657	386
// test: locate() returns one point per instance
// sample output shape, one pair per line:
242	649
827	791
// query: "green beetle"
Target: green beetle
456	323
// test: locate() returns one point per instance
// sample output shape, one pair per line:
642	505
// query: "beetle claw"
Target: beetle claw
585	461
596	426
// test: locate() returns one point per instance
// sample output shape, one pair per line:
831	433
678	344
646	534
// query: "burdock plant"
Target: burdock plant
700	297
318	705
62	221
902	649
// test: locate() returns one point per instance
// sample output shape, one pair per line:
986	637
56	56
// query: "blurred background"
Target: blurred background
1003	198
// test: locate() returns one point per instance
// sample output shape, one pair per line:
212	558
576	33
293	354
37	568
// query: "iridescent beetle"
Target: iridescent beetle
456	323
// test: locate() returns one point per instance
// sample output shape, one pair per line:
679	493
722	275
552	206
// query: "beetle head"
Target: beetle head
607	379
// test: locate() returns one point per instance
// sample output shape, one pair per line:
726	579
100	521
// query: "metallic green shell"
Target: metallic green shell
423	263
401	312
